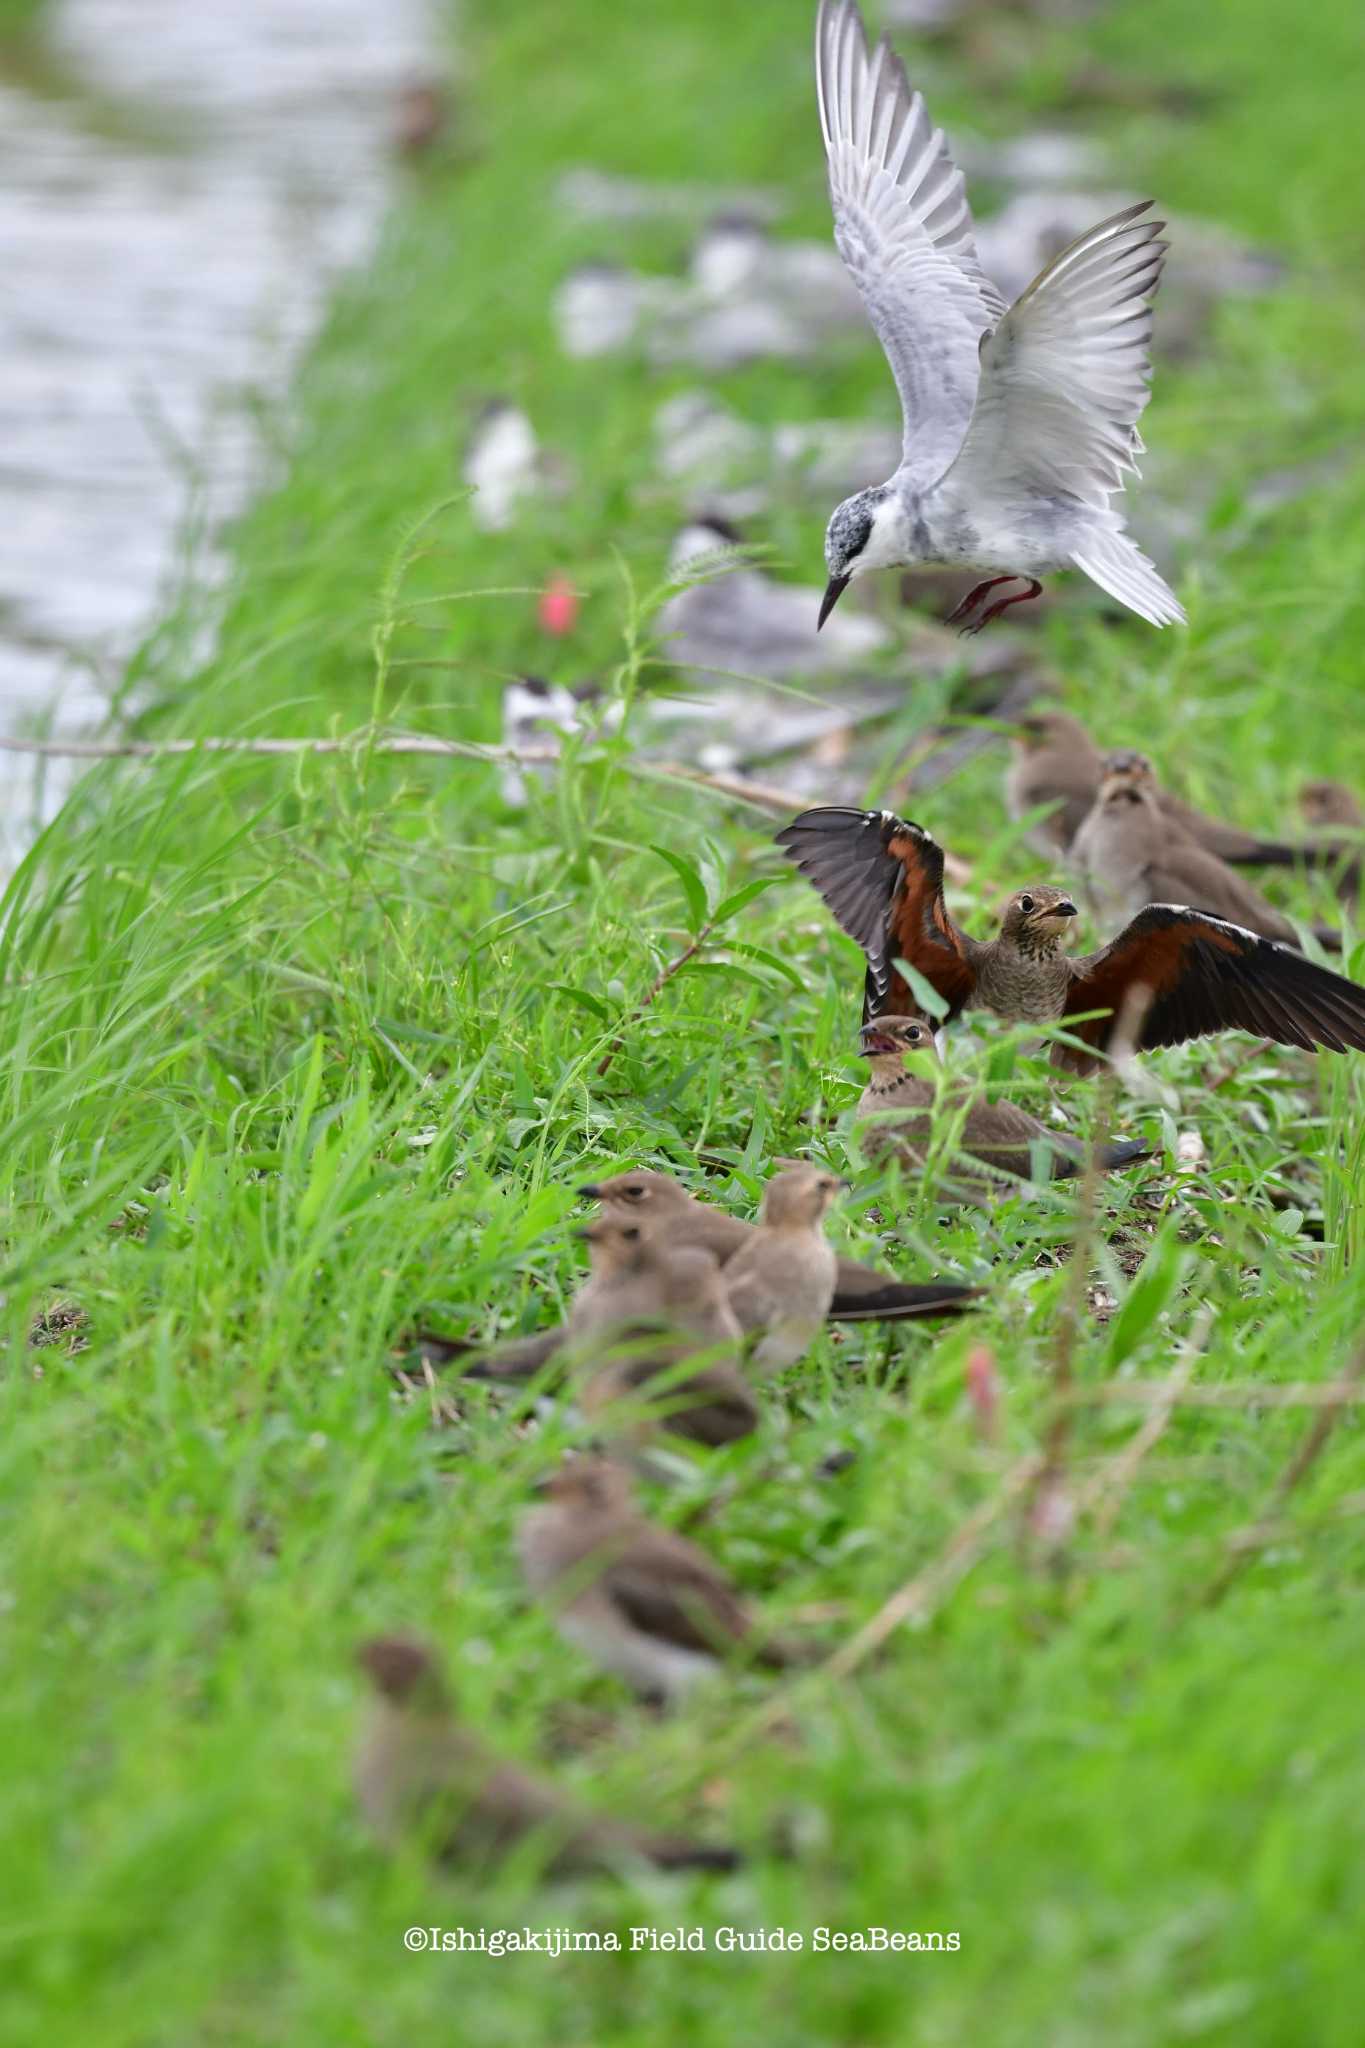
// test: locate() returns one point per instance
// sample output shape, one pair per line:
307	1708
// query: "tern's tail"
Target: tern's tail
1119	566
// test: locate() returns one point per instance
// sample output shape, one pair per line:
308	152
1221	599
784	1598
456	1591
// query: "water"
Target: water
153	292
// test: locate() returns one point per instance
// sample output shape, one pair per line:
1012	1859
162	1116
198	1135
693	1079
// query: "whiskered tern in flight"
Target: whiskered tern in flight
1021	421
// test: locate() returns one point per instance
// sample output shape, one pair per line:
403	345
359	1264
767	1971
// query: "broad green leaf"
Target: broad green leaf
731	904
924	992
1152	1291
693	887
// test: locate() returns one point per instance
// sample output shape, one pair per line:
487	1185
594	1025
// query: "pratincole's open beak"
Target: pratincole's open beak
591	1192
872	1039
834	590
1067	909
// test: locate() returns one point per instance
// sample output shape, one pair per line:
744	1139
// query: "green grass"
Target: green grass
294	1053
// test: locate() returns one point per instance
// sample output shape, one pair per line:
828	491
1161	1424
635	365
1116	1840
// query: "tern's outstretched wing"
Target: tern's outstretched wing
1064	382
903	227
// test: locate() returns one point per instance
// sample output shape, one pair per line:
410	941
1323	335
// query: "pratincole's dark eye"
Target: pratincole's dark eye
914	1034
635	1194
1026	904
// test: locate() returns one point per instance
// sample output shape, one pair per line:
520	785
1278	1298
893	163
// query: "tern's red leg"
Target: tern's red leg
974	597
1002	604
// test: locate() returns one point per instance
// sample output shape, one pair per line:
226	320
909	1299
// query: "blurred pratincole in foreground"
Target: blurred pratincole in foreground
649	1308
640	1600
422	1772
1174	972
999	1144
1131	851
1021	421
738	620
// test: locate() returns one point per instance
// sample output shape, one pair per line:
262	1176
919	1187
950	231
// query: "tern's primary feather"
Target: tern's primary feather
1064	376
903	227
1064	380
1020	424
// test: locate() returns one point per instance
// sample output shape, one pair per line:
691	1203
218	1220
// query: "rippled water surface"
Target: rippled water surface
171	223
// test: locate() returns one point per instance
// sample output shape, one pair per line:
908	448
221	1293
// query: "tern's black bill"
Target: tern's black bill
834	590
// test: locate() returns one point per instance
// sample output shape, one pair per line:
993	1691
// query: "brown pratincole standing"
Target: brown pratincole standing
653	1306
999	1144
861	1293
421	1771
1055	761
1173	972
668	1212
1332	810
1131	853
781	1281
639	1600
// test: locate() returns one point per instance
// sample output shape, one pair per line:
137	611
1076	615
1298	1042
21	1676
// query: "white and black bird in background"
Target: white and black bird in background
1020	422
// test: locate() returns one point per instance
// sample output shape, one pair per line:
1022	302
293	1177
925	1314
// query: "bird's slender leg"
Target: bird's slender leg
974	597
1002	604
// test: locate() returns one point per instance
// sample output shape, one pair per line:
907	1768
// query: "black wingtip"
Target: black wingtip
1124	1152
900	1302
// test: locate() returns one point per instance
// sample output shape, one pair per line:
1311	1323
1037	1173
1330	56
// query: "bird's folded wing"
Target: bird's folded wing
863	1295
1175	973
676	1598
750	1293
1185	873
1064	377
514	1358
903	227
883	879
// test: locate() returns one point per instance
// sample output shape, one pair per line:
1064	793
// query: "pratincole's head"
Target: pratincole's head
587	1482
1128	777
402	1668
1051	729
1038	918
641	1195
894	1037
800	1193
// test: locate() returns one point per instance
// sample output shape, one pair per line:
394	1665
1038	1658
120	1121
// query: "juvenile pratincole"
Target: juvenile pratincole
1172	973
998	1144
651	1308
1131	852
1020	422
665	1209
640	1600
421	1772
861	1293
781	1281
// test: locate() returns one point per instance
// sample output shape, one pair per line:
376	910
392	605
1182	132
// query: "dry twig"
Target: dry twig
659	983
1108	1488
1314	1442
